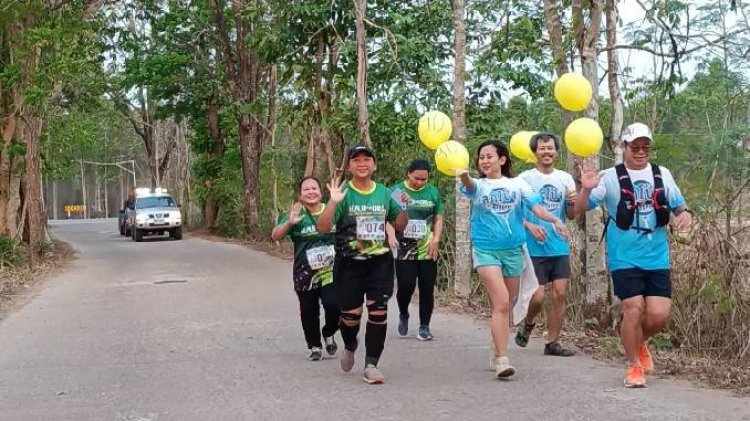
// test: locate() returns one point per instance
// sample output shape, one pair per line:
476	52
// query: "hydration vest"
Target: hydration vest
627	207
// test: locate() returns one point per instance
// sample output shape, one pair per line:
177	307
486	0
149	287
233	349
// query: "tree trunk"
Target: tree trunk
243	76
55	205
211	207
613	71
595	279
554	29
462	258
360	9
33	187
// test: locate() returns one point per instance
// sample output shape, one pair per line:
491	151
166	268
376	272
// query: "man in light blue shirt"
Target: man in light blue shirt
639	198
549	251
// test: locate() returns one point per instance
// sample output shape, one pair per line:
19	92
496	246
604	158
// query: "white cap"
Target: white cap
636	131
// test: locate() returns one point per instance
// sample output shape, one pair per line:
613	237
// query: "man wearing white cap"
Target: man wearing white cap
639	197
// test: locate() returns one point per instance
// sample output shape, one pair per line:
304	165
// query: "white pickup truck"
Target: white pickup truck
155	213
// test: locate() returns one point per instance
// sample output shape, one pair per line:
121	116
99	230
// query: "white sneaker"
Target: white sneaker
372	375
503	369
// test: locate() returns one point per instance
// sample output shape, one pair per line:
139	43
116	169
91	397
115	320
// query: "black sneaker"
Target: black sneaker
523	335
331	346
403	325
424	333
316	354
554	348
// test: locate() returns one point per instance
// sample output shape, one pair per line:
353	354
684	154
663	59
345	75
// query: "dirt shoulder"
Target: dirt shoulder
19	283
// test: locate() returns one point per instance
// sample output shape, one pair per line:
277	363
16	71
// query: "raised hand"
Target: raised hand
590	176
335	189
295	213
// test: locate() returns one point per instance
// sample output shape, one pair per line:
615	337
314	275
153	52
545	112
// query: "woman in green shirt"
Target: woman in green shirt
313	266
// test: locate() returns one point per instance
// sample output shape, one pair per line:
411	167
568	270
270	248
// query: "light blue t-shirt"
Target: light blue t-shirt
552	188
497	207
629	249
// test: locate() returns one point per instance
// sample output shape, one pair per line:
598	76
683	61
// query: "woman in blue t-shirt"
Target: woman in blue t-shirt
497	235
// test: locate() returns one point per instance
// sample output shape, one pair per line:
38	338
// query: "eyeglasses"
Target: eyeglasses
646	149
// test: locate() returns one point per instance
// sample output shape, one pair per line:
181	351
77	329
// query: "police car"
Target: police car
155	213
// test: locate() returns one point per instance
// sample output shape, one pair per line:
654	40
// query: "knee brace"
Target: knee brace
354	318
377	318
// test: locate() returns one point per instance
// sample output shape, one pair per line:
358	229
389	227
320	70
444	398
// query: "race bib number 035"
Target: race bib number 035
320	257
415	229
370	228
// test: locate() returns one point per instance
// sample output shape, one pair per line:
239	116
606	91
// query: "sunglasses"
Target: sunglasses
646	149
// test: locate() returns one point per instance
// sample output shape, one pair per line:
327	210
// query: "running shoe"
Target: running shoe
347	360
403	325
424	333
372	375
315	354
523	335
331	346
646	361
635	377
554	348
503	369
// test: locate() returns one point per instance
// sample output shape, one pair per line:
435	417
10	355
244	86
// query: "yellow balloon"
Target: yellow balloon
451	155
584	137
434	128
573	91
519	146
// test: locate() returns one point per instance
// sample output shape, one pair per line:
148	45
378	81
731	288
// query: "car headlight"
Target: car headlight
141	217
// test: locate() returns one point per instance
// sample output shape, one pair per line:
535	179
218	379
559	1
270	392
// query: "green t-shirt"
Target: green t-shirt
313	252
360	221
414	239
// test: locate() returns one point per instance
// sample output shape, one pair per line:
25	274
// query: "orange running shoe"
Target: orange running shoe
635	377
646	361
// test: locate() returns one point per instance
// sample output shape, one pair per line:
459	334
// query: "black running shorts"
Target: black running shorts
647	283
356	279
549	269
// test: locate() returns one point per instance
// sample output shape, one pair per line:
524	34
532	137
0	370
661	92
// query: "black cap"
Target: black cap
358	149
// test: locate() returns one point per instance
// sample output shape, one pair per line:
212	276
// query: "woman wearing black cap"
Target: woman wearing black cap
363	268
417	245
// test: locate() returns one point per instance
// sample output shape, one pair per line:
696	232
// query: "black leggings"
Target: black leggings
408	272
309	312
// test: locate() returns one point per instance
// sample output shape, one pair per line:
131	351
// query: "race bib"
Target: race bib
415	229
320	257
370	228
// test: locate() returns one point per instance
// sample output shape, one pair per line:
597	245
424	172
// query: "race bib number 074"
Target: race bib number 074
370	228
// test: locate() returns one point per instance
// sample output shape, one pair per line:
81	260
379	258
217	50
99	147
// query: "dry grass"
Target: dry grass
18	279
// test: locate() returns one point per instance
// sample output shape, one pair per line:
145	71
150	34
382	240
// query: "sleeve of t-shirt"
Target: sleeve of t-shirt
673	193
530	197
470	194
596	197
438	201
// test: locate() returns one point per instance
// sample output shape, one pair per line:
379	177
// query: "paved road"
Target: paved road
194	330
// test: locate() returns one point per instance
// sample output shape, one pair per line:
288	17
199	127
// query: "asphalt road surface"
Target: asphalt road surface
196	330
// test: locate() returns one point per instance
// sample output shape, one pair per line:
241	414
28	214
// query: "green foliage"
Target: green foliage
11	252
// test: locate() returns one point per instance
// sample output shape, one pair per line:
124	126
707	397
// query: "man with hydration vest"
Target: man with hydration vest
639	197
